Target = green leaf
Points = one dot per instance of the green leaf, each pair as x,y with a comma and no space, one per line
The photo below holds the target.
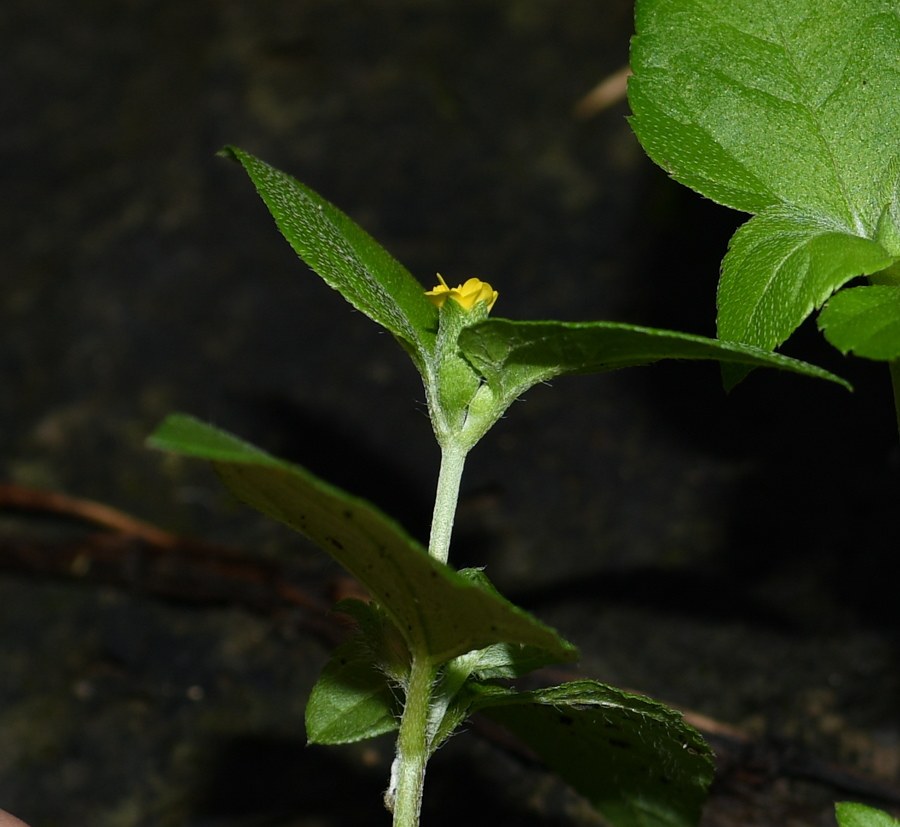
858,815
634,759
513,356
451,703
346,256
789,110
506,660
383,640
790,103
502,660
779,267
865,320
352,699
440,613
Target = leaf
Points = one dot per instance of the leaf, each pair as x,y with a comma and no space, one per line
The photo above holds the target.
501,660
790,103
858,815
386,646
634,759
345,256
865,320
440,613
451,703
513,356
352,699
779,267
504,660
788,110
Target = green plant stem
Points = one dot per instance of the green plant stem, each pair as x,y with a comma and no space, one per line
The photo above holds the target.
895,380
412,745
453,458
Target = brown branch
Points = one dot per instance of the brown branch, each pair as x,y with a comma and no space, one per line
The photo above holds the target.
32,499
605,94
144,558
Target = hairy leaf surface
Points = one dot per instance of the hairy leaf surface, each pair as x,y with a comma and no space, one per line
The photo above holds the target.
634,759
513,355
346,256
352,699
440,613
865,320
787,110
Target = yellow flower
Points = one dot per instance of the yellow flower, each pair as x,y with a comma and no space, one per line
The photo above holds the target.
468,294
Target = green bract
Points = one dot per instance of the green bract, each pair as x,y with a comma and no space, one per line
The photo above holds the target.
789,111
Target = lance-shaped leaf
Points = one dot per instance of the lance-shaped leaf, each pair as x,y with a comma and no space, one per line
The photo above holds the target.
514,355
440,613
634,759
865,320
789,110
346,256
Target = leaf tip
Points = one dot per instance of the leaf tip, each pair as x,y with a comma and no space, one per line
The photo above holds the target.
230,152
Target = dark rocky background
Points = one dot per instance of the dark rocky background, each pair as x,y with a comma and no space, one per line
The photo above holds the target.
732,554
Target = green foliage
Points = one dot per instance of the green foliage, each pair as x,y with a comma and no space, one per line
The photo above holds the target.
778,269
513,356
458,620
788,111
473,367
346,257
865,320
440,613
634,759
434,641
352,699
858,815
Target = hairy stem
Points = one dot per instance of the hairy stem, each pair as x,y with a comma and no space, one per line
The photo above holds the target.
408,775
453,459
895,380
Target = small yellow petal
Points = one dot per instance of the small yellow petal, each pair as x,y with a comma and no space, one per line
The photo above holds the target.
467,295
439,294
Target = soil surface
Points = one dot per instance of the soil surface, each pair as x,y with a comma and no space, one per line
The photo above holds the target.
733,555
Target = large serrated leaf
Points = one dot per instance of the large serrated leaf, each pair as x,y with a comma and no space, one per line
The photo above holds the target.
796,100
865,320
440,613
788,110
634,759
345,256
513,355
352,700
